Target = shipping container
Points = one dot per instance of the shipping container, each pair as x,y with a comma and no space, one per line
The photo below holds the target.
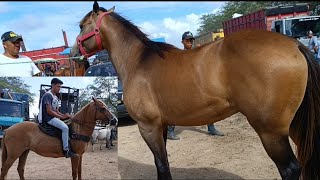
262,19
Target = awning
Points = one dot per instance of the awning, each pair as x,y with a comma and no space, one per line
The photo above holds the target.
162,39
67,51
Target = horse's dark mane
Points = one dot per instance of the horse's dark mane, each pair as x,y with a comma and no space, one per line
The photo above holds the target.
156,47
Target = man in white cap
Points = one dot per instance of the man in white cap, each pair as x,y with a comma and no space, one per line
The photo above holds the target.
11,63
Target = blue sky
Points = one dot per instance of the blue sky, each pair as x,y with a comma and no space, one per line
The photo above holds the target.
41,23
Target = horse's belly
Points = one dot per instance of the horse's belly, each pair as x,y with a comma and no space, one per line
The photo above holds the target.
205,114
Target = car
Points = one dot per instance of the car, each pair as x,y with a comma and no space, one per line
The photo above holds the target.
121,109
104,69
107,69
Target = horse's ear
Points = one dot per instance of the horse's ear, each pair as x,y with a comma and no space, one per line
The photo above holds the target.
111,10
95,6
94,99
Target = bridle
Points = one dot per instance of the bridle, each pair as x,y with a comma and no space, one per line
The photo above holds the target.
96,33
85,138
95,117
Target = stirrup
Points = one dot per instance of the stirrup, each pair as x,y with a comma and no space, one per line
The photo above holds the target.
70,154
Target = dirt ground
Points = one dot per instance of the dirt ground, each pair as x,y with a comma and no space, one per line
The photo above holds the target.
237,155
100,164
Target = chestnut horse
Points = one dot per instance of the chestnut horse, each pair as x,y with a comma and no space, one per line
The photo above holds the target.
20,138
78,69
270,78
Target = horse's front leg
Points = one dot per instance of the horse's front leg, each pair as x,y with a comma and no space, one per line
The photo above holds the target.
80,167
153,136
75,165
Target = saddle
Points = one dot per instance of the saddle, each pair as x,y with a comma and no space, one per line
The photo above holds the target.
56,132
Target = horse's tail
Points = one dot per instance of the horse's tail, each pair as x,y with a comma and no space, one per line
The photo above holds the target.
306,123
4,151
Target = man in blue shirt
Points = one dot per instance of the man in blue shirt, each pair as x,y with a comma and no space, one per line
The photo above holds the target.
313,45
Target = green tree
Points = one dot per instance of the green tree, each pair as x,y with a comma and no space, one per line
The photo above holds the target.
104,88
15,84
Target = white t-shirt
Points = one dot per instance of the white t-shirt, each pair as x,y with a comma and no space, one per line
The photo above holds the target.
22,66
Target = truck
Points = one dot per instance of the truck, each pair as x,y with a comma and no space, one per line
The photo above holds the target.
208,37
68,97
121,109
14,108
293,21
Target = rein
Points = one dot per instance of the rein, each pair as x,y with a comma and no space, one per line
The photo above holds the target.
96,33
83,137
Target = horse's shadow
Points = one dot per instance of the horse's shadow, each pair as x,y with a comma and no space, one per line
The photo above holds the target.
179,129
132,170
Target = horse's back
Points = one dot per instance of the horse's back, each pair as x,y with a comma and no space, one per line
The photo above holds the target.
25,128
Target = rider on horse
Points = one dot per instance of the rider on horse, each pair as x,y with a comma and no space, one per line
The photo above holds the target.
50,114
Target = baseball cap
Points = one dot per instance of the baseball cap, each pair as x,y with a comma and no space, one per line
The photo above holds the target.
10,36
309,32
187,35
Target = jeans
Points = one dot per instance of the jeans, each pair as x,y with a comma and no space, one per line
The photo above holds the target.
316,57
171,128
65,131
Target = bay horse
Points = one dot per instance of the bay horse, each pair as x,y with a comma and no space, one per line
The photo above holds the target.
64,71
20,138
271,79
78,69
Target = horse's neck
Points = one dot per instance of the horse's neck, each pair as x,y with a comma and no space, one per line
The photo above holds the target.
124,49
86,122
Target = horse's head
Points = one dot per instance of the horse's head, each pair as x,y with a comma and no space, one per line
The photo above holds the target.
89,40
102,112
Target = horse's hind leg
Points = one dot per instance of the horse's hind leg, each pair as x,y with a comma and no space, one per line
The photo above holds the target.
22,163
6,166
279,150
275,140
153,136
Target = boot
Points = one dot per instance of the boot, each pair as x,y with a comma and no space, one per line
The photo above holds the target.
170,134
69,154
213,131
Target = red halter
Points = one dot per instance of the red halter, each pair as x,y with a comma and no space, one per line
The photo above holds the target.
95,32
